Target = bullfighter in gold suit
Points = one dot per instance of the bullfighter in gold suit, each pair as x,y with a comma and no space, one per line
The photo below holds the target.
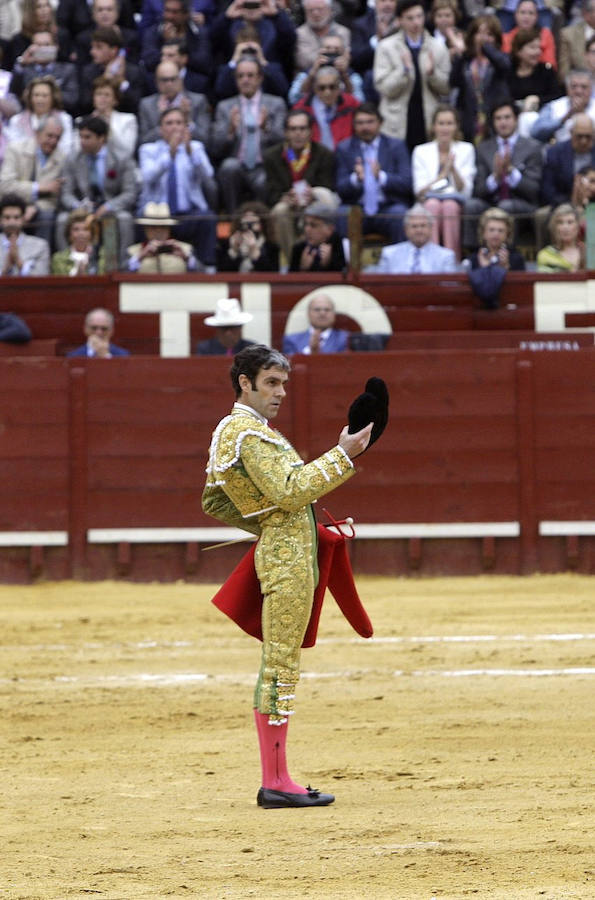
257,481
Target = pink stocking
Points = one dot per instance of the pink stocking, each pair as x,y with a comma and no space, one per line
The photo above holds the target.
272,740
451,226
434,206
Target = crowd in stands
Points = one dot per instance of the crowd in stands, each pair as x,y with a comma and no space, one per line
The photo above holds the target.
274,118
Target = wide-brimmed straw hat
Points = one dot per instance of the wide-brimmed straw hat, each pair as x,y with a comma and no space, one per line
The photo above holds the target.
228,313
156,214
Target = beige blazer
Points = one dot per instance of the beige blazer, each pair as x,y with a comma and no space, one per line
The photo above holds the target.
572,49
21,169
395,84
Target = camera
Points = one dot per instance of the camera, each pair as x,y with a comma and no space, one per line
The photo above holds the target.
251,4
46,54
331,57
248,226
165,248
249,53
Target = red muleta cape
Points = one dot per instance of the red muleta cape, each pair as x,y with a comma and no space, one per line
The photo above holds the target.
240,596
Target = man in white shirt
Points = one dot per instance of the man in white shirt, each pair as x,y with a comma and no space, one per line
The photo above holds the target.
176,170
418,255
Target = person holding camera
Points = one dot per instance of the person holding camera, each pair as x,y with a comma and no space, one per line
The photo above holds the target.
247,46
160,253
40,60
248,248
276,31
178,25
332,53
244,126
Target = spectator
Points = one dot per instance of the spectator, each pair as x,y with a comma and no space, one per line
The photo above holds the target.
39,61
331,109
177,25
411,71
443,176
244,126
573,40
34,170
99,181
532,83
99,328
108,60
565,160
247,46
479,75
38,15
42,98
248,248
13,330
321,335
525,17
227,322
299,171
506,9
332,53
176,170
508,171
583,194
10,19
275,29
495,242
160,253
418,254
566,253
78,20
173,95
322,248
374,170
445,16
201,13
555,117
379,21
176,51
82,255
9,104
122,126
20,253
318,25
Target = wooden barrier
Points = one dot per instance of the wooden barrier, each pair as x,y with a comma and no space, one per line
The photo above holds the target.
486,465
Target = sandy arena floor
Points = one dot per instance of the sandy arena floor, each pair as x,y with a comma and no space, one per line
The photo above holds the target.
459,743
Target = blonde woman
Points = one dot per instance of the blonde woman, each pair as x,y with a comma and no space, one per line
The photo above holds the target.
566,253
443,171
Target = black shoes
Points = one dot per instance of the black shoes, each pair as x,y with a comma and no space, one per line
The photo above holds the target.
270,799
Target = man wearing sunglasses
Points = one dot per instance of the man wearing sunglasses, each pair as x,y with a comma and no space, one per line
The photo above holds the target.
99,328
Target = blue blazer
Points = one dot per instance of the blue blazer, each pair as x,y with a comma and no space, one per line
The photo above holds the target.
115,351
558,173
335,343
393,157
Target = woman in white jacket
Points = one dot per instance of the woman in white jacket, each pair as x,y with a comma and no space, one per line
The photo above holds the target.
443,172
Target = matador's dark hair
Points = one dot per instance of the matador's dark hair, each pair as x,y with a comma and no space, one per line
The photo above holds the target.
251,360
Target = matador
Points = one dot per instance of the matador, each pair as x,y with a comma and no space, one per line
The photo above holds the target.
257,481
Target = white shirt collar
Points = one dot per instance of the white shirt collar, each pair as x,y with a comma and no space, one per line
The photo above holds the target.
253,412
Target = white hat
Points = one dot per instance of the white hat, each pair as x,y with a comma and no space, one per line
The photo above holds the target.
228,312
156,214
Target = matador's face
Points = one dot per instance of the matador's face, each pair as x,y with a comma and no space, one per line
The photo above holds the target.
269,391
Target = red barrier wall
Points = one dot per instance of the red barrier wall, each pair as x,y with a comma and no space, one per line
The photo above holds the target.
474,437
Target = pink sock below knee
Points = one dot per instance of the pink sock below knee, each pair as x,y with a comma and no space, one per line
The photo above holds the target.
272,740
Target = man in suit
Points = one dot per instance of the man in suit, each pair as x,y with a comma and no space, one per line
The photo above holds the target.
321,250
177,24
554,119
176,170
244,126
573,40
98,180
76,20
508,172
13,329
321,336
227,321
298,172
417,255
374,171
33,169
171,94
20,254
275,29
564,160
377,23
99,328
108,60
